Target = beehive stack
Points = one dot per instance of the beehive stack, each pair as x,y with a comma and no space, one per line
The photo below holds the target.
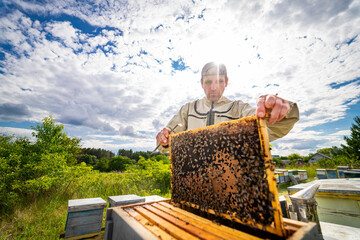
226,169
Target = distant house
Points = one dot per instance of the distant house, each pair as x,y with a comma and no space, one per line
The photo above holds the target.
318,156
300,162
275,156
285,162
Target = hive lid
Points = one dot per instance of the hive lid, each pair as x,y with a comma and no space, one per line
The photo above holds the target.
349,188
77,205
226,169
125,199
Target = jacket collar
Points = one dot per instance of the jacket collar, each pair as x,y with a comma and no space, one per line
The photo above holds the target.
221,99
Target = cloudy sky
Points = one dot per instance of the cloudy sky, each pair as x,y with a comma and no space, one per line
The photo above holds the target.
115,72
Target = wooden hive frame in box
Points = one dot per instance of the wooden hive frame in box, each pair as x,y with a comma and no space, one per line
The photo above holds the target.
162,220
227,170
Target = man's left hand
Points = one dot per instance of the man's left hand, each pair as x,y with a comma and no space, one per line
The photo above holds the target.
276,106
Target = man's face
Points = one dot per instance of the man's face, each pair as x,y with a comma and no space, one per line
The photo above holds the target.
213,85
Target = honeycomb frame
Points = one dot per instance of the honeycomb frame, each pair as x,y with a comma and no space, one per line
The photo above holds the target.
212,171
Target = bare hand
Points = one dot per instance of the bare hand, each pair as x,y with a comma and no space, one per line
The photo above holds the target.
162,137
276,106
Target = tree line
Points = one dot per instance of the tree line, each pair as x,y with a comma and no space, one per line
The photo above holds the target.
106,161
347,154
54,162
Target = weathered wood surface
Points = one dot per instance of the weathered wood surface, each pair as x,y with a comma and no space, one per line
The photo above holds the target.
333,231
126,227
154,198
84,217
162,220
76,205
321,173
151,227
302,175
85,222
337,199
347,188
332,174
203,223
121,200
82,230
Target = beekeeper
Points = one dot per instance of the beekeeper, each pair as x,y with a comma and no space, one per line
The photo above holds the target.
214,108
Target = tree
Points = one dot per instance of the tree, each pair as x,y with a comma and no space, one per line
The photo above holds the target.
331,152
353,141
162,158
102,165
51,139
98,152
87,158
119,163
125,153
29,169
294,156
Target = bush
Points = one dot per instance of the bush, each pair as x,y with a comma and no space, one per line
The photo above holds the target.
102,165
87,158
120,163
28,170
154,174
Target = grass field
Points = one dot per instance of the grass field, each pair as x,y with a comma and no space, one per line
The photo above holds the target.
46,217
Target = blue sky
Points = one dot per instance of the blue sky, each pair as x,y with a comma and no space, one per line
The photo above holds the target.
115,72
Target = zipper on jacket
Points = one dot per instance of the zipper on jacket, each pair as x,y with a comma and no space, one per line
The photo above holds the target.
211,116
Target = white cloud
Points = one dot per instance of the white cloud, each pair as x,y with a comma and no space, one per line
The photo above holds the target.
120,79
17,132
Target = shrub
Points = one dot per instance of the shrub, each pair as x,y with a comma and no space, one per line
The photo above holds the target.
120,163
29,169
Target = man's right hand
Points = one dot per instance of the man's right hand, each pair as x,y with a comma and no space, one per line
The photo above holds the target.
162,137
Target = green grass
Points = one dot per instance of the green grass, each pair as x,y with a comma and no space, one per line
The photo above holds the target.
45,218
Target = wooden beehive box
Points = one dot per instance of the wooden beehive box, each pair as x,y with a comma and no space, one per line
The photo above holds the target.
84,217
162,220
226,169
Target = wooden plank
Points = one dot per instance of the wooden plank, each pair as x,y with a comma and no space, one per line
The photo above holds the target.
290,230
182,224
84,220
72,231
206,225
309,231
127,228
164,225
268,228
295,223
291,226
229,230
269,165
87,213
89,235
158,232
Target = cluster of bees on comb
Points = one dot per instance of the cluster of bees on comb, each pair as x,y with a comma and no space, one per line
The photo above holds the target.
221,168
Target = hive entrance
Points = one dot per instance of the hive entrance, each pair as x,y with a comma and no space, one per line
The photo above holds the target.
225,169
